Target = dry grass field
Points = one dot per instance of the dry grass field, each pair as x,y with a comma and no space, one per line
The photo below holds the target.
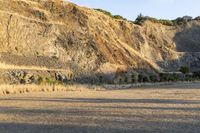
165,109
20,89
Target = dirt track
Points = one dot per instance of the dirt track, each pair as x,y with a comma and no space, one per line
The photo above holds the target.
169,109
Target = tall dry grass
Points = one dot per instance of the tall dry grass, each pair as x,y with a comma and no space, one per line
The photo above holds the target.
18,89
21,67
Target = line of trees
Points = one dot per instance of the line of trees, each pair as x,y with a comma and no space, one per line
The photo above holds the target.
141,19
179,21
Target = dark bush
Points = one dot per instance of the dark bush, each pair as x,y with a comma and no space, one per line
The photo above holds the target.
179,21
189,77
140,78
126,80
119,17
100,79
105,12
134,78
143,78
165,77
175,77
141,19
171,76
166,22
184,69
110,14
182,20
196,74
153,78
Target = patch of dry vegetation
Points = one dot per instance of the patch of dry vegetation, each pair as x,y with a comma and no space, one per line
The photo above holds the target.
16,67
18,89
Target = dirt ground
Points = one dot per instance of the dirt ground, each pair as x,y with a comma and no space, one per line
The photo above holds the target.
165,109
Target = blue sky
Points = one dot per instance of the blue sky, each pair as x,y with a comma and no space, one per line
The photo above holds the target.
168,9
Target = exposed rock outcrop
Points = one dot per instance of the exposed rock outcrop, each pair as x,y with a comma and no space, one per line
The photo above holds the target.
42,33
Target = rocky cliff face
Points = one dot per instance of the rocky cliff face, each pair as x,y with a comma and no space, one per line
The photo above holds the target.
43,35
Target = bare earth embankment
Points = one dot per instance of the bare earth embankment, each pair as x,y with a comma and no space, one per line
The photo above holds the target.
166,109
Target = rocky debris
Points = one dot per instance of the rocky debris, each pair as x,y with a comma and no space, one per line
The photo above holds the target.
22,77
38,77
62,78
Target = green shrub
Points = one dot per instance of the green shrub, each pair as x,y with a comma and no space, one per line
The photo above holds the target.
143,78
126,80
174,77
179,21
166,22
196,74
170,76
184,69
119,17
153,78
105,12
40,80
140,78
189,77
141,19
134,78
51,81
100,79
182,20
110,14
165,77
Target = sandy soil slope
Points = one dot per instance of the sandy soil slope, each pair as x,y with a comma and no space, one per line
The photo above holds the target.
166,109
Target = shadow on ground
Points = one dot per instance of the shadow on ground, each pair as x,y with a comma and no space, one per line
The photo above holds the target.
103,100
100,117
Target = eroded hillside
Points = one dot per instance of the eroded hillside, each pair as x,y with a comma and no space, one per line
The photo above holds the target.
82,42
